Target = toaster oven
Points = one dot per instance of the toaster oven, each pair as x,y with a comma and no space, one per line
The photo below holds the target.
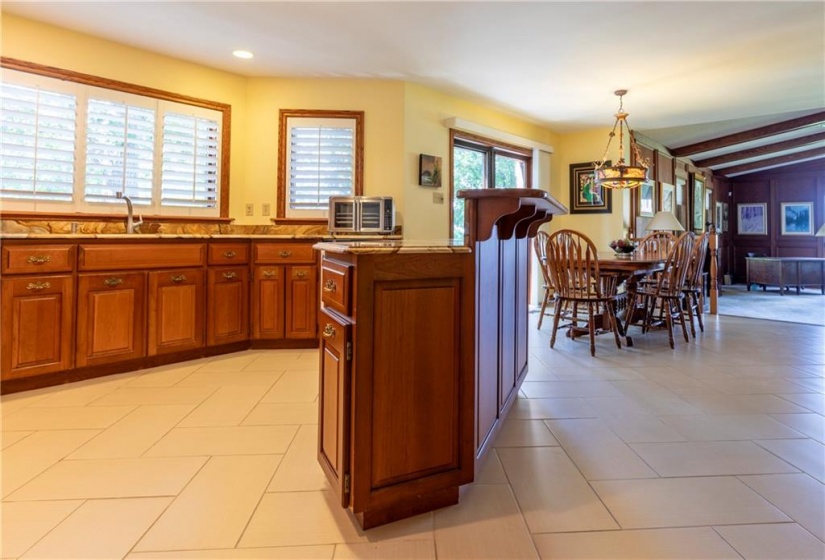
361,214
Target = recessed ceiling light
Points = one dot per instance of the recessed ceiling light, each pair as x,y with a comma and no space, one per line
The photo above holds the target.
242,54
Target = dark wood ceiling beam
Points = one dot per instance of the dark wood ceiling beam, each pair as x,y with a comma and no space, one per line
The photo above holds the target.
780,160
760,150
748,135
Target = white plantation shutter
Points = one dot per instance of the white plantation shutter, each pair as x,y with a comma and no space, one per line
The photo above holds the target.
191,149
37,144
120,142
321,158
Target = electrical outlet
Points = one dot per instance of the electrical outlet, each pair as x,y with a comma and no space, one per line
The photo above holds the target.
438,198
250,209
265,209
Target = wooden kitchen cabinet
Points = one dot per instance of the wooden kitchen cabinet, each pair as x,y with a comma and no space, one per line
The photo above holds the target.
227,311
111,317
176,310
334,402
37,322
284,292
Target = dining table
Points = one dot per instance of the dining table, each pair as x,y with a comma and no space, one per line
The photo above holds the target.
629,269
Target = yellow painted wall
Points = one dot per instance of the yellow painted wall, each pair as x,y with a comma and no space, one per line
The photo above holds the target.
424,132
588,146
381,101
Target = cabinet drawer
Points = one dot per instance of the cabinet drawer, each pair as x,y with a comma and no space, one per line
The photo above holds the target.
228,253
141,256
28,259
335,286
283,253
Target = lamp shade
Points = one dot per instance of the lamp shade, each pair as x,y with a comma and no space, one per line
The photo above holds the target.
821,231
664,220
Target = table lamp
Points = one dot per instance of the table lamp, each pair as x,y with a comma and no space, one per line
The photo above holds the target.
821,231
664,220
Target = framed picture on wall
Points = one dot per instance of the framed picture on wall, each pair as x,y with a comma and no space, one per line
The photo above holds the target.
698,204
647,200
668,198
586,197
719,222
797,218
752,219
725,226
429,171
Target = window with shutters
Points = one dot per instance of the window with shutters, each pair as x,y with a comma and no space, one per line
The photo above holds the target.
320,155
68,146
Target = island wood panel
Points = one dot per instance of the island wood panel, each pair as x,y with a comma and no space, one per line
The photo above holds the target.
522,306
37,322
508,337
140,256
111,317
334,402
487,293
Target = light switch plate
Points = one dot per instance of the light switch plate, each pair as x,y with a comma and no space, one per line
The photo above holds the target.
265,209
250,209
438,198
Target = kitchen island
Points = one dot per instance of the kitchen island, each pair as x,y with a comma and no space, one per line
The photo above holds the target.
423,348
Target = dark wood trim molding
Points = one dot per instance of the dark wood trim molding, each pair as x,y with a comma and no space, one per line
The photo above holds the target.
780,160
760,150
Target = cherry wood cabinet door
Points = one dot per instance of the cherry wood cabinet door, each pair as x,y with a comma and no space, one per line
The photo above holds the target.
334,401
37,321
301,301
227,308
176,310
111,317
268,302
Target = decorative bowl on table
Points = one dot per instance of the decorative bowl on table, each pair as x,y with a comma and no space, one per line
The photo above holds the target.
623,248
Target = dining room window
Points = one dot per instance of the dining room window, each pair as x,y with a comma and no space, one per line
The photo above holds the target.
483,163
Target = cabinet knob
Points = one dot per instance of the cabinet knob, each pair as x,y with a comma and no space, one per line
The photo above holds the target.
229,254
38,259
330,286
37,286
270,273
113,281
178,279
329,331
230,275
285,254
300,274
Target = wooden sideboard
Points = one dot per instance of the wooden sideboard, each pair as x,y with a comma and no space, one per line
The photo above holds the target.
786,272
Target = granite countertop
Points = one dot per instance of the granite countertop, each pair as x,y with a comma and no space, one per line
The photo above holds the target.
392,246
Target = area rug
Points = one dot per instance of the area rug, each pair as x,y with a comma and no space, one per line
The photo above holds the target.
808,307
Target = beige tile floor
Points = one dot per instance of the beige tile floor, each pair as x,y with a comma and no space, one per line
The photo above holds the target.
712,450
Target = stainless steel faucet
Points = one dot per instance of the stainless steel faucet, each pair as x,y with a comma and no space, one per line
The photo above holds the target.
131,224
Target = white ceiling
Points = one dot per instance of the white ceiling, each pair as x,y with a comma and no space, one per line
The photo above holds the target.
694,69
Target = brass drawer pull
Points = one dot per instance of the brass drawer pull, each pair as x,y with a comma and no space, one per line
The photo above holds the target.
330,286
285,254
178,279
39,259
229,254
112,282
300,274
270,273
230,275
329,331
37,286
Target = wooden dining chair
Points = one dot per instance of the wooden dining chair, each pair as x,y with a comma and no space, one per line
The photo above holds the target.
656,244
587,295
693,290
662,300
540,247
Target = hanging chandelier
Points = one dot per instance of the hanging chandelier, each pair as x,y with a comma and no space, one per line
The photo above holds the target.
621,175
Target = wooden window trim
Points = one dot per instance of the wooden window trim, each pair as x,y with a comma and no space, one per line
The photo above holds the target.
284,116
126,87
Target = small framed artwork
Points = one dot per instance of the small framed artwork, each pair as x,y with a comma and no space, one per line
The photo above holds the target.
797,218
647,200
698,204
586,197
718,222
752,219
668,200
725,226
429,171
